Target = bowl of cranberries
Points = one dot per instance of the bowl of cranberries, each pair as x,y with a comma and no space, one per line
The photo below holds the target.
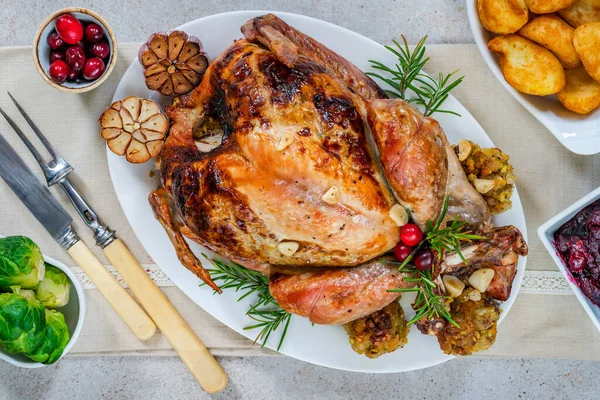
573,240
75,50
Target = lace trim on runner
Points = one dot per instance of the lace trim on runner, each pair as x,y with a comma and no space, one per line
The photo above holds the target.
534,282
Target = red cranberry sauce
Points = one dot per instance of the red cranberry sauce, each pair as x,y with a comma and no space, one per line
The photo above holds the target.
578,243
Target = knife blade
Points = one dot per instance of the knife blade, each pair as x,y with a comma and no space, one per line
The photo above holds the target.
36,197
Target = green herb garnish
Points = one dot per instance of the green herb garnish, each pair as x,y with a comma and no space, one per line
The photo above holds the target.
428,303
265,311
407,76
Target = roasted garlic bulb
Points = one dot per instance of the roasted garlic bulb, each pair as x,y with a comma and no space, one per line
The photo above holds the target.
134,127
489,172
173,64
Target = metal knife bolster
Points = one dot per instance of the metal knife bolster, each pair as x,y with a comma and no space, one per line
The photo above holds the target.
102,233
67,238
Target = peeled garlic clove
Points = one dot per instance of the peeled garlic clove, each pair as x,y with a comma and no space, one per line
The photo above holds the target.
399,215
481,279
288,248
284,142
484,185
454,286
464,149
332,196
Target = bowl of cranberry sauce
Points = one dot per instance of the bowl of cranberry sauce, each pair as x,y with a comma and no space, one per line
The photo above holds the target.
573,240
75,50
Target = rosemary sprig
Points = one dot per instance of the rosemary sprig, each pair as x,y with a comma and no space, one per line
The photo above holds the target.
433,93
449,238
265,311
429,303
408,74
408,68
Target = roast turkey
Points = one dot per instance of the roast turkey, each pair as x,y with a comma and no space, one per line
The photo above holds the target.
313,158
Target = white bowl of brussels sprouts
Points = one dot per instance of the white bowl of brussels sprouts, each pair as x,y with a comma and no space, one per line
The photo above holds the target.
42,305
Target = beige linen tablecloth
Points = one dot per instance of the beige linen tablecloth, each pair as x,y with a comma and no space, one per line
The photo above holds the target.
549,179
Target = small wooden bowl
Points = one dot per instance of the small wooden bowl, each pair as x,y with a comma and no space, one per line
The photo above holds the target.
41,50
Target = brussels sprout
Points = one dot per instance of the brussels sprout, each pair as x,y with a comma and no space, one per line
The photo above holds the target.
54,290
55,340
22,321
21,263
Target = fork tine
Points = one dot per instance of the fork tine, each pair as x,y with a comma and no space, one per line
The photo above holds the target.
35,129
29,145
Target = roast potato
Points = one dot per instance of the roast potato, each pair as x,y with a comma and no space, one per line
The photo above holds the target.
547,6
554,34
581,93
528,67
581,12
587,43
502,16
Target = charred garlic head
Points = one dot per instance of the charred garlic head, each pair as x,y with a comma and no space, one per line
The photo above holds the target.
173,64
134,127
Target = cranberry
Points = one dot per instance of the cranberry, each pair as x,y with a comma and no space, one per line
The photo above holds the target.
402,251
56,55
93,68
59,70
411,234
424,260
69,28
579,256
101,50
94,33
74,75
54,41
75,57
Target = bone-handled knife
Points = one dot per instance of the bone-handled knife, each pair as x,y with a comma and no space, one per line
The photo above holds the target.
57,222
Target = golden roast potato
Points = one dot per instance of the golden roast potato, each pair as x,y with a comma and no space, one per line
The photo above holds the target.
581,93
547,6
554,34
587,43
582,12
502,16
528,67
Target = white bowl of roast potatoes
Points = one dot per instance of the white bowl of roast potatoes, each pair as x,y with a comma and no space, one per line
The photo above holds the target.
547,54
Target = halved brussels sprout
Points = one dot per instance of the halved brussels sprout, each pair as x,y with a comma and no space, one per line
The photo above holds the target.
21,263
22,321
54,290
55,340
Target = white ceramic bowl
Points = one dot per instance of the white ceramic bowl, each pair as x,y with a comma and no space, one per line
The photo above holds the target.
546,234
41,50
578,133
74,313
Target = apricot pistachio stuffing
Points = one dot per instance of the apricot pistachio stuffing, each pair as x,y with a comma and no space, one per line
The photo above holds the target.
489,172
173,64
134,127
